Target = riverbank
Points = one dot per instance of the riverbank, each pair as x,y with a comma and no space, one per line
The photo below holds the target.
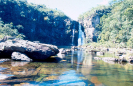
116,54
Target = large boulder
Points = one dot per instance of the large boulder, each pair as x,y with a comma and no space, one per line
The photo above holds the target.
34,50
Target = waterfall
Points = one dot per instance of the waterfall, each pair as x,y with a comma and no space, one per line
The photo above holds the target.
81,36
73,35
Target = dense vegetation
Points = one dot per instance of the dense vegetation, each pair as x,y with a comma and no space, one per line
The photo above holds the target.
38,22
116,26
99,10
10,30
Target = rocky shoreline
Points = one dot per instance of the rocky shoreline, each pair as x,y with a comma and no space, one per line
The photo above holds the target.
122,54
24,50
119,54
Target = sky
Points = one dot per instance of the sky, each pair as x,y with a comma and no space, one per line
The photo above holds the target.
72,8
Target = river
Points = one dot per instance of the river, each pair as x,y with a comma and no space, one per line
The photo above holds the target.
76,68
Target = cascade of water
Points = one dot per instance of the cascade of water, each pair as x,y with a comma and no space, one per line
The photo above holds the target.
73,35
81,36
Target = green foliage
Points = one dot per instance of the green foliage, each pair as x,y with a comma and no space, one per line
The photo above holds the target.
117,25
100,10
9,30
37,22
130,43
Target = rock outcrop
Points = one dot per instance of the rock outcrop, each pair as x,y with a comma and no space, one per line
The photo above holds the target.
90,24
90,27
33,50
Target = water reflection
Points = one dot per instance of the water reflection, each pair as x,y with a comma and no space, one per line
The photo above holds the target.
79,58
69,78
15,63
72,57
95,80
79,69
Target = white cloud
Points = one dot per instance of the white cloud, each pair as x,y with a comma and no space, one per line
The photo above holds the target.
104,2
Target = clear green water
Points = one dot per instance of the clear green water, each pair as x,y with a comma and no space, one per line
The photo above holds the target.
76,68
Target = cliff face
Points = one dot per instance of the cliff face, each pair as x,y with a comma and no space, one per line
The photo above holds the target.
89,25
91,22
39,23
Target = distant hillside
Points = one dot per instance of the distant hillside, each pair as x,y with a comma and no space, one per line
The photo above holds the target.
116,26
38,23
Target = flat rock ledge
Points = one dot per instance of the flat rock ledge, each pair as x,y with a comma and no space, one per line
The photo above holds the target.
35,51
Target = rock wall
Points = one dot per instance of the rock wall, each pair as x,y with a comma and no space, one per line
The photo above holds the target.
90,24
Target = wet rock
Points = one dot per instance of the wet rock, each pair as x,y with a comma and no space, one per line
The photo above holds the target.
95,80
35,51
68,50
4,60
61,55
18,63
74,48
17,56
109,59
122,58
100,53
131,60
4,76
97,58
62,51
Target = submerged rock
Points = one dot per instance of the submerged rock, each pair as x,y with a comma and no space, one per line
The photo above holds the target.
18,63
35,51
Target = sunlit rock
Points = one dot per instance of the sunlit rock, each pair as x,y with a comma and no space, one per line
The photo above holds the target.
97,58
4,60
122,58
17,56
35,51
60,55
68,50
109,59
62,51
100,53
4,76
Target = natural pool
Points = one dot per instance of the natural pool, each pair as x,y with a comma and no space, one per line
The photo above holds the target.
76,68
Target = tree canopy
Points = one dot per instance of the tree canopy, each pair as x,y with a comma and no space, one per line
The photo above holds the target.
116,26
